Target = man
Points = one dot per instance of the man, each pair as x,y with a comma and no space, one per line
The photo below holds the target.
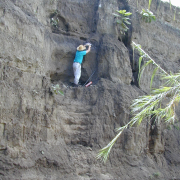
80,53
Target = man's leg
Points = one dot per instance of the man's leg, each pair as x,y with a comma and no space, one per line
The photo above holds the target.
77,72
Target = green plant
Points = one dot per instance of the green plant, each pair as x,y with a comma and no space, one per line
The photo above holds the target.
175,14
157,174
169,127
54,22
149,4
150,177
147,16
170,3
154,105
123,20
177,127
150,106
148,61
56,89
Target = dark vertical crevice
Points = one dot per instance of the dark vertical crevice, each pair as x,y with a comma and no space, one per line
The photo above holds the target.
127,40
95,18
153,133
134,65
97,60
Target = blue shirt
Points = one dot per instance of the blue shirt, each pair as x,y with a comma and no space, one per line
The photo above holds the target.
79,56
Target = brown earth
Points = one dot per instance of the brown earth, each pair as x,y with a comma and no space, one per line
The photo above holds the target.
47,136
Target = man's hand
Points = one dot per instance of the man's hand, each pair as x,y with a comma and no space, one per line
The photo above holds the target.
87,44
89,48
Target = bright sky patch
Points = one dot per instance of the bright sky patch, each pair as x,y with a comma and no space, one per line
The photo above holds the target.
173,2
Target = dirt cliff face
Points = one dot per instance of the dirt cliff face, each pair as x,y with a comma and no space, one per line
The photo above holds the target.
47,136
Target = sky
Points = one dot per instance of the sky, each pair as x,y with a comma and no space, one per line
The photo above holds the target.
174,2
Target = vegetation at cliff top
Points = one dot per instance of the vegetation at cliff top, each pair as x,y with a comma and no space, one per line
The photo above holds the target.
148,16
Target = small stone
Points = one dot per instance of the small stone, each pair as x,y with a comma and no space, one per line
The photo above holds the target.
42,152
89,148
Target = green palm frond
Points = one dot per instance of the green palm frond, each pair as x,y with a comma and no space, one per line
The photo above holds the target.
152,77
173,77
140,61
143,68
144,54
175,14
146,106
170,4
104,152
149,4
61,92
151,106
159,5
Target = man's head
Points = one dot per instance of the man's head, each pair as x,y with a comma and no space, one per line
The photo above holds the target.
81,48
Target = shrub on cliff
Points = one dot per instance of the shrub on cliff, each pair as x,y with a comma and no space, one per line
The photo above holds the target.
122,20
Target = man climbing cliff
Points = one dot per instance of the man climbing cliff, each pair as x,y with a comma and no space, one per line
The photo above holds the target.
81,51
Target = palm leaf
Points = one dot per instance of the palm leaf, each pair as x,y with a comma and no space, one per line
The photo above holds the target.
149,106
141,51
140,61
61,92
175,14
158,7
104,153
145,107
170,4
152,77
149,4
143,67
